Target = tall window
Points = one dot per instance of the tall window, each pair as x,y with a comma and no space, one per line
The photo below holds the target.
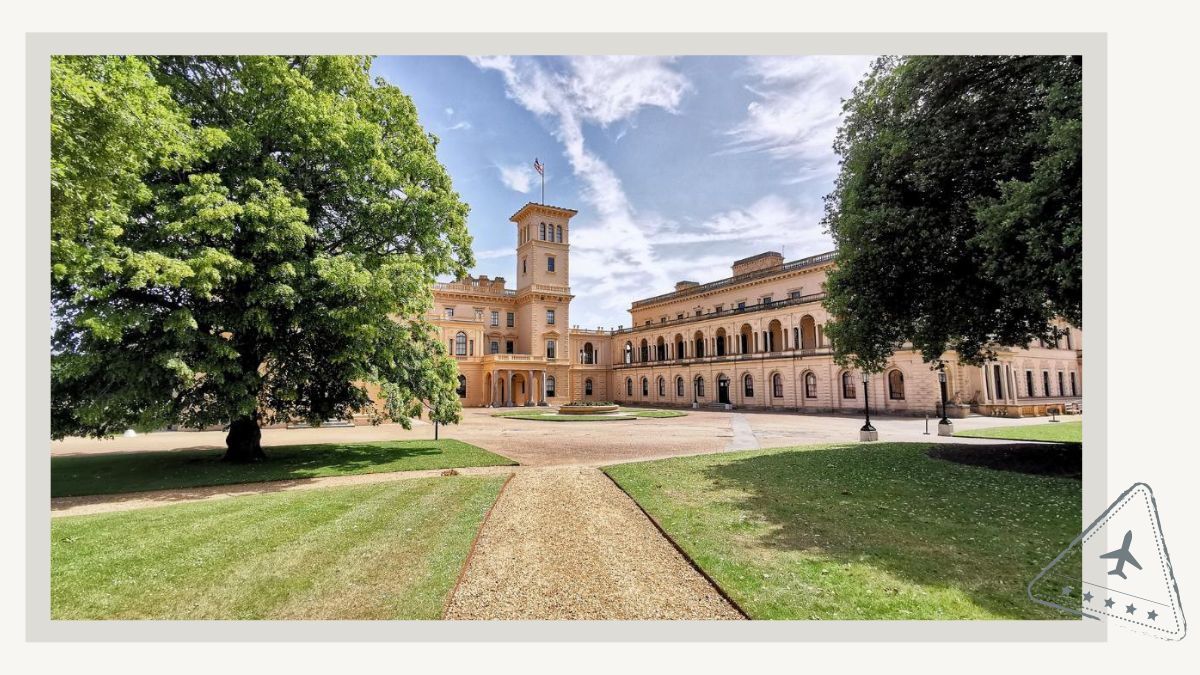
679,385
810,385
495,318
460,344
1062,391
700,387
448,313
494,347
896,385
1045,383
512,319
1029,383
524,267
549,263
662,387
550,387
629,386
559,237
777,385
462,386
848,388
587,387
550,349
508,346
1074,391
748,383
542,232
550,317
645,387
628,353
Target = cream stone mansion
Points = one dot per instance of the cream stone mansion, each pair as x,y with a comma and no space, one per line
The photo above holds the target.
752,340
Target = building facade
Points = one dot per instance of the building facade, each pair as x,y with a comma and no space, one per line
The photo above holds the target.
755,339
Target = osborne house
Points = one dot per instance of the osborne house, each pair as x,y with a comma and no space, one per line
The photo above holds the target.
754,339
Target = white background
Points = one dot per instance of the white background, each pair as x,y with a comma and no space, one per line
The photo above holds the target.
1152,221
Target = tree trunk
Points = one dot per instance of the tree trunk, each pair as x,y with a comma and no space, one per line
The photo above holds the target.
243,444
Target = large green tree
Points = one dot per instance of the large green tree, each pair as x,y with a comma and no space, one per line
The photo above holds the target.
244,240
957,211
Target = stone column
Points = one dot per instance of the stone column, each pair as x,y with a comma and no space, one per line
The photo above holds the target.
508,392
543,401
492,398
531,400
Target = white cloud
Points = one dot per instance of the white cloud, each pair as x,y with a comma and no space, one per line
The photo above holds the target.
460,126
493,253
449,111
796,110
518,177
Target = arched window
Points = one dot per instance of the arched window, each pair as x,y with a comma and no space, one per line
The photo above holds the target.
629,386
810,385
462,386
748,382
559,238
808,332
796,338
896,385
628,352
679,385
542,232
662,387
644,352
698,348
777,385
460,344
699,387
550,387
587,387
645,387
848,389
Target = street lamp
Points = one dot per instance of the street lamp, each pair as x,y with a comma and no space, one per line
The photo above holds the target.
867,432
945,427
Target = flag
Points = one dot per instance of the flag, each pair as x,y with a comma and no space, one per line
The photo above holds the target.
539,167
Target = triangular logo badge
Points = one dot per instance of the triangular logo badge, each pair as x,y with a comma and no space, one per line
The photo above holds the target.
1118,570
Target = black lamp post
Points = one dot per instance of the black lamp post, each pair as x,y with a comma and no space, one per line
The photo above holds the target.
867,403
942,380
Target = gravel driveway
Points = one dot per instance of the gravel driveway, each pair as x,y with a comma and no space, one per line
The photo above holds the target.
566,543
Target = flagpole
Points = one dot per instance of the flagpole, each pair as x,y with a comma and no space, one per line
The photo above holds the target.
543,174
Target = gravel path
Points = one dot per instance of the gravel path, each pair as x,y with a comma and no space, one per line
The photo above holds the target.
566,543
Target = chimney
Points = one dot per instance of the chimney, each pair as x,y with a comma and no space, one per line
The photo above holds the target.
683,285
755,263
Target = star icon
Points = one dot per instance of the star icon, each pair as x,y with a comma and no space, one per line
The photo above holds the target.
1108,602
1087,597
1152,615
1130,609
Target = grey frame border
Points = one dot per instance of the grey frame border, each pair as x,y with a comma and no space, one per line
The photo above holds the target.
38,48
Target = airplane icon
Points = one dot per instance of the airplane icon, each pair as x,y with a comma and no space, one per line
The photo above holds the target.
1122,556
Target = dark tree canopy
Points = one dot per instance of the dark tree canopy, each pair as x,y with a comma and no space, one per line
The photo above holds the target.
244,240
957,211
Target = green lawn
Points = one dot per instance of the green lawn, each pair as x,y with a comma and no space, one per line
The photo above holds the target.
861,532
135,471
385,551
544,415
1060,432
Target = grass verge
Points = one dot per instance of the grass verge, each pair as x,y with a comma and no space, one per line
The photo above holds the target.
1060,432
861,532
383,551
111,473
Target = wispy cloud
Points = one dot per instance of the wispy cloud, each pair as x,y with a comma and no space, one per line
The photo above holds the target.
462,125
518,177
796,110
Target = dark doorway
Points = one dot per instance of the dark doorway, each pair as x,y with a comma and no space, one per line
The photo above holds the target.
723,390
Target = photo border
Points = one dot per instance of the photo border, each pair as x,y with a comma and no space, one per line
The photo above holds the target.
39,47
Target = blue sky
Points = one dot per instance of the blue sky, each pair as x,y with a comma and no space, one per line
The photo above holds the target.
677,166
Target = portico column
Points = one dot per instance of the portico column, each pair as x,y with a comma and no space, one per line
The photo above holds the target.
543,401
492,399
531,389
508,392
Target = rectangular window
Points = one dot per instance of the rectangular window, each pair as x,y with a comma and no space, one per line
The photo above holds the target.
471,348
550,317
1029,383
794,295
495,318
511,319
478,314
550,263
679,316
449,313
718,308
741,306
766,300
494,347
1074,390
1062,390
508,346
550,349
524,268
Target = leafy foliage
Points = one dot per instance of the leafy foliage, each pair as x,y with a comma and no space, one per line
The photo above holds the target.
244,238
957,212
